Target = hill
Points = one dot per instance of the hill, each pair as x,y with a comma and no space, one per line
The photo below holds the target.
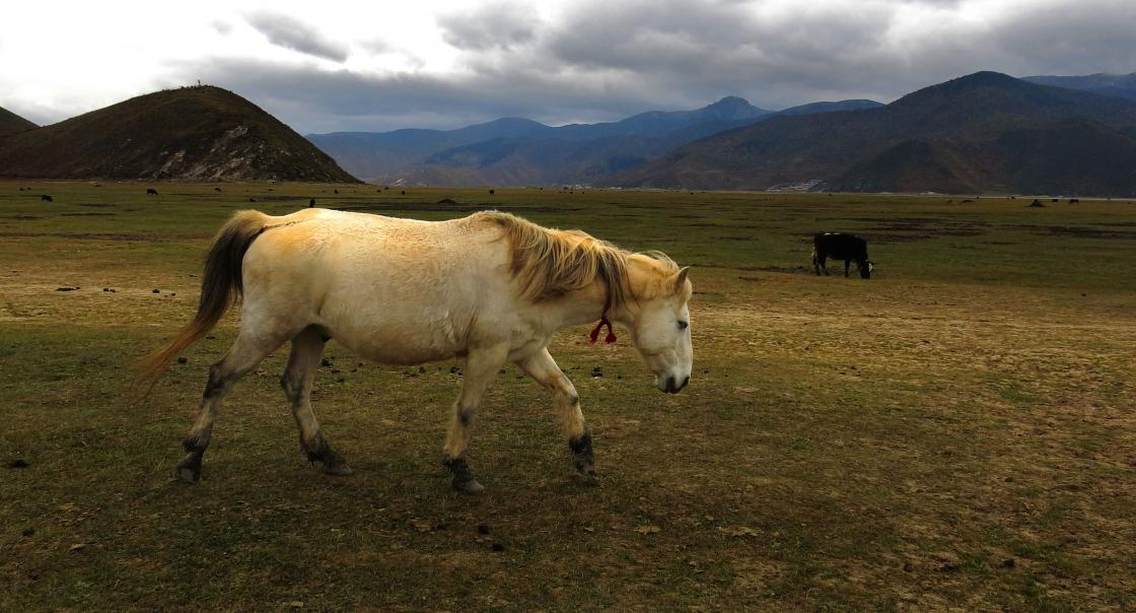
1123,86
195,133
968,134
11,123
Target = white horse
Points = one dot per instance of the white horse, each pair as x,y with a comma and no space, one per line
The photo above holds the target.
490,288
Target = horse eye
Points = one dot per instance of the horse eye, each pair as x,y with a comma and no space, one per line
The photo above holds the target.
682,325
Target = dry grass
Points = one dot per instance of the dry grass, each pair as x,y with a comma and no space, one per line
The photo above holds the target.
956,433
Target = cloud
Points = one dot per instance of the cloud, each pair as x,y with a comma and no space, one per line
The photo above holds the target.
601,60
494,25
290,33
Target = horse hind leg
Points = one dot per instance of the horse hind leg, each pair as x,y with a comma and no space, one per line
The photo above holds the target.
243,356
307,347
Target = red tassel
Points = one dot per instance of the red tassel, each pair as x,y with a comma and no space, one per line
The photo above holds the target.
595,335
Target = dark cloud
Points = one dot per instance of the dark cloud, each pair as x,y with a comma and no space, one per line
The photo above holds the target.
601,59
291,33
495,25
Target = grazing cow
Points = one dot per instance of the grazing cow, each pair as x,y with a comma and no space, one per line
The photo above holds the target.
838,246
151,191
46,198
1074,201
216,189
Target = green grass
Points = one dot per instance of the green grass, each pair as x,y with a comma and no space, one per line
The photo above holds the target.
956,432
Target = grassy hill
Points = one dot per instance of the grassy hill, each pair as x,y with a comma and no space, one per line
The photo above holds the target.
196,133
11,123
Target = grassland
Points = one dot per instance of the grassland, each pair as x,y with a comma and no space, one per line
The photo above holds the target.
957,432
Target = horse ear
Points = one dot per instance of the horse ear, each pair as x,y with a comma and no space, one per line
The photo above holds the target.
680,279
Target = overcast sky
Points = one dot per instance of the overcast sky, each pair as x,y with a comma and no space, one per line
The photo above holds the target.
323,65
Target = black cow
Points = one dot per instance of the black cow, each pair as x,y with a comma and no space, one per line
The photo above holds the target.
838,246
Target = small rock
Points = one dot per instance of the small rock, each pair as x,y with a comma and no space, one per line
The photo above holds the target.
66,289
78,547
907,567
155,291
1009,563
18,463
325,362
597,372
483,528
28,531
183,360
498,547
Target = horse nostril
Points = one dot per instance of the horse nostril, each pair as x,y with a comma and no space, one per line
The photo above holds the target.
671,385
684,382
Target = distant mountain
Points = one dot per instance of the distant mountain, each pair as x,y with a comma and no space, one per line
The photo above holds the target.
831,107
464,156
982,132
1123,86
192,133
518,151
376,154
11,123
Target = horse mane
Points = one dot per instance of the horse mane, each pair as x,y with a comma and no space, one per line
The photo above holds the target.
550,263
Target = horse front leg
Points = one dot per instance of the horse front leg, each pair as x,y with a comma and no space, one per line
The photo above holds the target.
543,369
481,367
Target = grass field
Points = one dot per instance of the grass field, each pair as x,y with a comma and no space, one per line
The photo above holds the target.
956,433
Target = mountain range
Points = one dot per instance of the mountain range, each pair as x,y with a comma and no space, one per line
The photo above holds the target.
515,151
983,132
199,133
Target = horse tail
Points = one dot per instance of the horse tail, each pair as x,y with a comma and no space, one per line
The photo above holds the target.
220,286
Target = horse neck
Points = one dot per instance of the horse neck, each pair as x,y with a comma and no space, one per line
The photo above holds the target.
587,304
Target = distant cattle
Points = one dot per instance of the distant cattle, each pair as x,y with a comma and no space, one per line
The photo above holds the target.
311,203
216,189
46,198
151,191
492,191
1036,204
838,246
1074,201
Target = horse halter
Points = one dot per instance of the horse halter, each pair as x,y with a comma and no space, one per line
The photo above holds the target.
604,321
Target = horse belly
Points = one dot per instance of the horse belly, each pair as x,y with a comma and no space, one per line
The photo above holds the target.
400,337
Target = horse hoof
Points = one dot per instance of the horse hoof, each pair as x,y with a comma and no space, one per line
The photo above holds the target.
189,469
469,487
339,470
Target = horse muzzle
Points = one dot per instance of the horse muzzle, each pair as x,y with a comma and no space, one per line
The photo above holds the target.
673,385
